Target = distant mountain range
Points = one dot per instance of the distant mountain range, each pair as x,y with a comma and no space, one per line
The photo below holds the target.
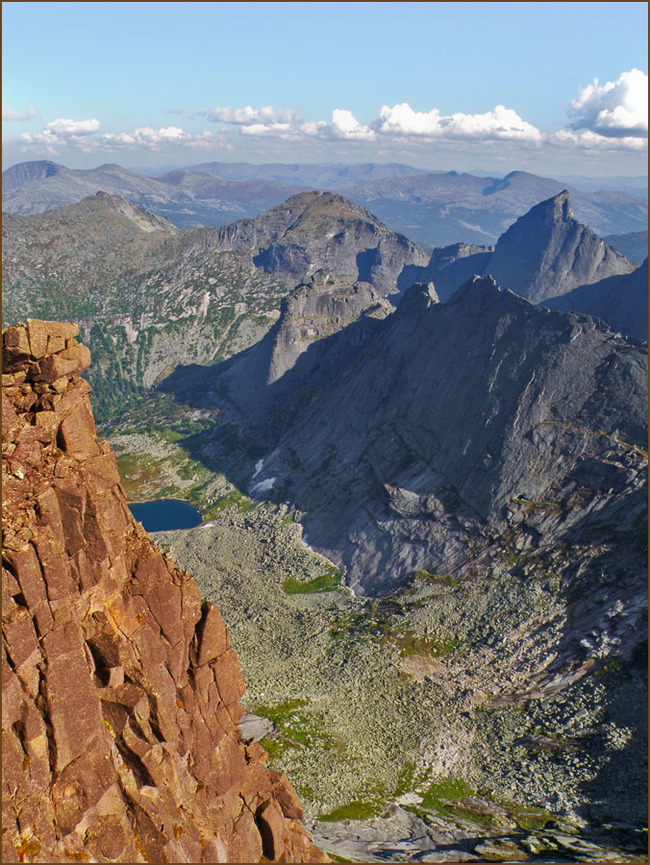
445,208
150,297
431,208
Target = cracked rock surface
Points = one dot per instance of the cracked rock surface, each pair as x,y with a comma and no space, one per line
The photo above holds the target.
120,690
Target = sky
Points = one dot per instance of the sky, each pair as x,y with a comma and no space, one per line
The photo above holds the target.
545,87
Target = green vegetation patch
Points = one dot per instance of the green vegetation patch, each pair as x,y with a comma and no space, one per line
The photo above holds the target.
234,498
526,816
440,579
327,582
446,788
454,799
297,726
355,810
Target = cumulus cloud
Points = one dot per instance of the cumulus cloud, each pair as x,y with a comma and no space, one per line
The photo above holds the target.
248,116
153,139
616,109
499,124
608,117
12,114
63,131
346,125
589,140
64,126
284,123
269,130
81,134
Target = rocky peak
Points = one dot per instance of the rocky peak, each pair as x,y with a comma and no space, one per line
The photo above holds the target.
419,296
556,209
28,172
314,231
547,252
120,688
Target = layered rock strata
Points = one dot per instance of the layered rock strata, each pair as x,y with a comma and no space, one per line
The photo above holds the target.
120,689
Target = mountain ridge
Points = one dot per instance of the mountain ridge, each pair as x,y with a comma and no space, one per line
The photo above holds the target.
432,208
150,300
375,398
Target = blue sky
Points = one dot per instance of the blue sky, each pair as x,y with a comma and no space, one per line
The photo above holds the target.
440,85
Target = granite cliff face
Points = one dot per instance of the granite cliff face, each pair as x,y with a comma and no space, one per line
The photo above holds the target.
120,689
545,253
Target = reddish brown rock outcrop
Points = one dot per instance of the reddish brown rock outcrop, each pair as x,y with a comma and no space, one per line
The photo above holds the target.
120,689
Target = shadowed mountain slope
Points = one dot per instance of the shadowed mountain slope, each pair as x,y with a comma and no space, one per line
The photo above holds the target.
620,301
431,439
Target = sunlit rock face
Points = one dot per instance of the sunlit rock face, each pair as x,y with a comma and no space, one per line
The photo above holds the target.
120,689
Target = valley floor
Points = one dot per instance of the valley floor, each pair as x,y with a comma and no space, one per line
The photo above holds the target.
430,725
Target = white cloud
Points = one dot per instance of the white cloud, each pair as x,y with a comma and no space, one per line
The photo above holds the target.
80,134
269,130
248,116
12,114
605,118
403,120
62,132
269,122
313,127
345,125
499,124
64,127
614,109
153,139
589,140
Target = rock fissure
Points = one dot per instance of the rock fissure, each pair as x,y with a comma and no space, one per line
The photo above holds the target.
108,762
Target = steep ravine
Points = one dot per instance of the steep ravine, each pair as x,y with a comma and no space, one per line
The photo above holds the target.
120,689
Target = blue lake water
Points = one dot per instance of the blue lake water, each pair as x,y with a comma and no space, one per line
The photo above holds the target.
166,515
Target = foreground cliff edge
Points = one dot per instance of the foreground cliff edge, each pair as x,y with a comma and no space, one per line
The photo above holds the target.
120,691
